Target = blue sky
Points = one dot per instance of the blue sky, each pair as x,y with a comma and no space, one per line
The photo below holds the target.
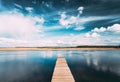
59,22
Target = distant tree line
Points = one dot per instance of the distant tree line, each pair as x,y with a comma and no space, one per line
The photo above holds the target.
98,46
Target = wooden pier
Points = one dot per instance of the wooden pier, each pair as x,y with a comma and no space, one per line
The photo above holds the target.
62,72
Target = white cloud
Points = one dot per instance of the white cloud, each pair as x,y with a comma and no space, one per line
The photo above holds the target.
80,9
18,6
14,25
114,28
63,15
13,42
102,29
40,20
107,35
17,26
19,30
75,40
77,21
64,21
84,20
95,35
79,28
67,40
87,35
29,9
92,35
67,21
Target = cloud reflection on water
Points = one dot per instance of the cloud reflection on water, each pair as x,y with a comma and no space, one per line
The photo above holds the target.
26,65
98,62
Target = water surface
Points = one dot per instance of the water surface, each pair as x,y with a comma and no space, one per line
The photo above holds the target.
26,66
95,66
38,66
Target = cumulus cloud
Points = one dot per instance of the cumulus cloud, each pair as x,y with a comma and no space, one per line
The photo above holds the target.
69,21
114,28
78,22
92,35
52,41
87,35
107,35
64,21
17,26
110,30
75,40
17,29
102,29
95,35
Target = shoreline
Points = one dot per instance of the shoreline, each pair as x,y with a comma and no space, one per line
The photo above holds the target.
57,48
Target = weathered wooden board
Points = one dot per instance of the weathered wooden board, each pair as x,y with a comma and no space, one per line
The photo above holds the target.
62,72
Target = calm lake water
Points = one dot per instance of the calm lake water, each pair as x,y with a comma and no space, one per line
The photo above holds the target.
38,66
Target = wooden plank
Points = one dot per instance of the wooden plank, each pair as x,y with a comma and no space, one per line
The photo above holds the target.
62,72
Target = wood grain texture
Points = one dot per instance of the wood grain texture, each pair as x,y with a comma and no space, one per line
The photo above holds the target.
62,72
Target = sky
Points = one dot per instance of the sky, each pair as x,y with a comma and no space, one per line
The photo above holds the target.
37,23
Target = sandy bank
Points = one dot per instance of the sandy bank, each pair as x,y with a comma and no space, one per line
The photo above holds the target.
58,48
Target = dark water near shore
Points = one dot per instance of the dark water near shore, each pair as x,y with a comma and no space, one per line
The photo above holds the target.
38,66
